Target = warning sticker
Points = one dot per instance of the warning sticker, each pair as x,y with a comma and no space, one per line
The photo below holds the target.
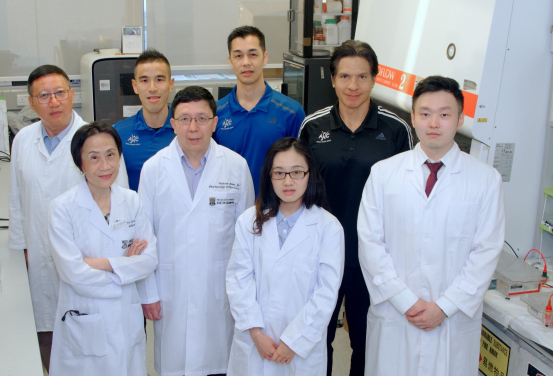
494,355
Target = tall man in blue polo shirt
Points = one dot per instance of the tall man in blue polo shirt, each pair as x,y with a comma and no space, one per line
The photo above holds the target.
253,115
149,131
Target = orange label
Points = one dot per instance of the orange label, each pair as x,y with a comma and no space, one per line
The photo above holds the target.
396,79
470,103
405,83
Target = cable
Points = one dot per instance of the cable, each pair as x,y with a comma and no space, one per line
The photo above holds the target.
544,274
511,248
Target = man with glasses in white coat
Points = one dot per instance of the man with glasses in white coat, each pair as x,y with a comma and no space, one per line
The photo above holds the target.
193,191
41,169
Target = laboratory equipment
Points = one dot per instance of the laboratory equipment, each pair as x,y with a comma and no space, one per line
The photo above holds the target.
106,86
515,276
300,17
483,45
539,305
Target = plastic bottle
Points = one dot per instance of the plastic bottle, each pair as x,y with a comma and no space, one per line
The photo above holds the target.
347,6
334,7
344,30
318,6
330,31
318,26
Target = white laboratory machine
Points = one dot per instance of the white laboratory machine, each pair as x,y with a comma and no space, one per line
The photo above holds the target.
106,86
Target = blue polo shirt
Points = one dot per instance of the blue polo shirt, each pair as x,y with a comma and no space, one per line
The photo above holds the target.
250,134
141,142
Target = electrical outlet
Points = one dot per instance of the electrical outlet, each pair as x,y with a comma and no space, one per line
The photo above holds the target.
22,100
77,98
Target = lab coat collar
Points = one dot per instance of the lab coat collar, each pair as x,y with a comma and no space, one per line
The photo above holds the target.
298,234
76,123
452,162
95,216
174,168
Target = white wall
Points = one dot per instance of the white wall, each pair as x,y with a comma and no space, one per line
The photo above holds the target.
36,32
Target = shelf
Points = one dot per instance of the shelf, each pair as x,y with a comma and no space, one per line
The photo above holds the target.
545,228
548,191
332,14
315,46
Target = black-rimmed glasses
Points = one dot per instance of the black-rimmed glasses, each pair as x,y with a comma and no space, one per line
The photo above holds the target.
281,175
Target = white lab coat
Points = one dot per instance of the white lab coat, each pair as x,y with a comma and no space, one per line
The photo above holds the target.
444,246
110,339
290,292
36,179
195,239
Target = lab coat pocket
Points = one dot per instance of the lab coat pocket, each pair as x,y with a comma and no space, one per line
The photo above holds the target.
87,335
136,325
220,274
165,272
304,269
462,219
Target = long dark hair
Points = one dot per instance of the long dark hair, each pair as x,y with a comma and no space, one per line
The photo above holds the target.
267,203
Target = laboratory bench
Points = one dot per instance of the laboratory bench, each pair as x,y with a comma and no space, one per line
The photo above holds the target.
19,352
513,341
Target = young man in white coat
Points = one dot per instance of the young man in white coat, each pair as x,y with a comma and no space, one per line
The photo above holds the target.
193,191
41,170
431,226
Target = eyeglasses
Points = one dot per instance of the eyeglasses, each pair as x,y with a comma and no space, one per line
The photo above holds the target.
60,95
186,120
281,175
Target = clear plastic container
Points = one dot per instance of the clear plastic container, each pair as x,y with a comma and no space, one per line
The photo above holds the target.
536,306
516,277
330,31
344,30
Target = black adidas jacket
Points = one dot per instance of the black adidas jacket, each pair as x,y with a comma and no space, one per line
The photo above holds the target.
345,159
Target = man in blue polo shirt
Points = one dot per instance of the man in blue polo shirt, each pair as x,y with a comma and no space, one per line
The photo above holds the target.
253,115
149,131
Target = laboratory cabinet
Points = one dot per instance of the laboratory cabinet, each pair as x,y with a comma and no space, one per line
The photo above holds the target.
301,17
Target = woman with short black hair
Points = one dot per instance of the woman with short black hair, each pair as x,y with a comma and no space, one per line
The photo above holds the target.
102,243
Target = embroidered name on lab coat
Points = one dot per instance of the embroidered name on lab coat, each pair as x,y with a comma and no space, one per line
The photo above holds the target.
222,185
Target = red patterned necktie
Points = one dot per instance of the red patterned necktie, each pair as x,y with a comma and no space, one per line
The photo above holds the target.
433,177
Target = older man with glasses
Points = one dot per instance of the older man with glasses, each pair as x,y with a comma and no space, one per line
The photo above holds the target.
41,170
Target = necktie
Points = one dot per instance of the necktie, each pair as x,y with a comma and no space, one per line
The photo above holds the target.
433,178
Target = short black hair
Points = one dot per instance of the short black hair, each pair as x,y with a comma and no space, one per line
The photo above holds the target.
194,94
434,84
45,70
243,32
90,130
268,203
149,56
354,48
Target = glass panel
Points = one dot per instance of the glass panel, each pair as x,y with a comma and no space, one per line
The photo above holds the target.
294,76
